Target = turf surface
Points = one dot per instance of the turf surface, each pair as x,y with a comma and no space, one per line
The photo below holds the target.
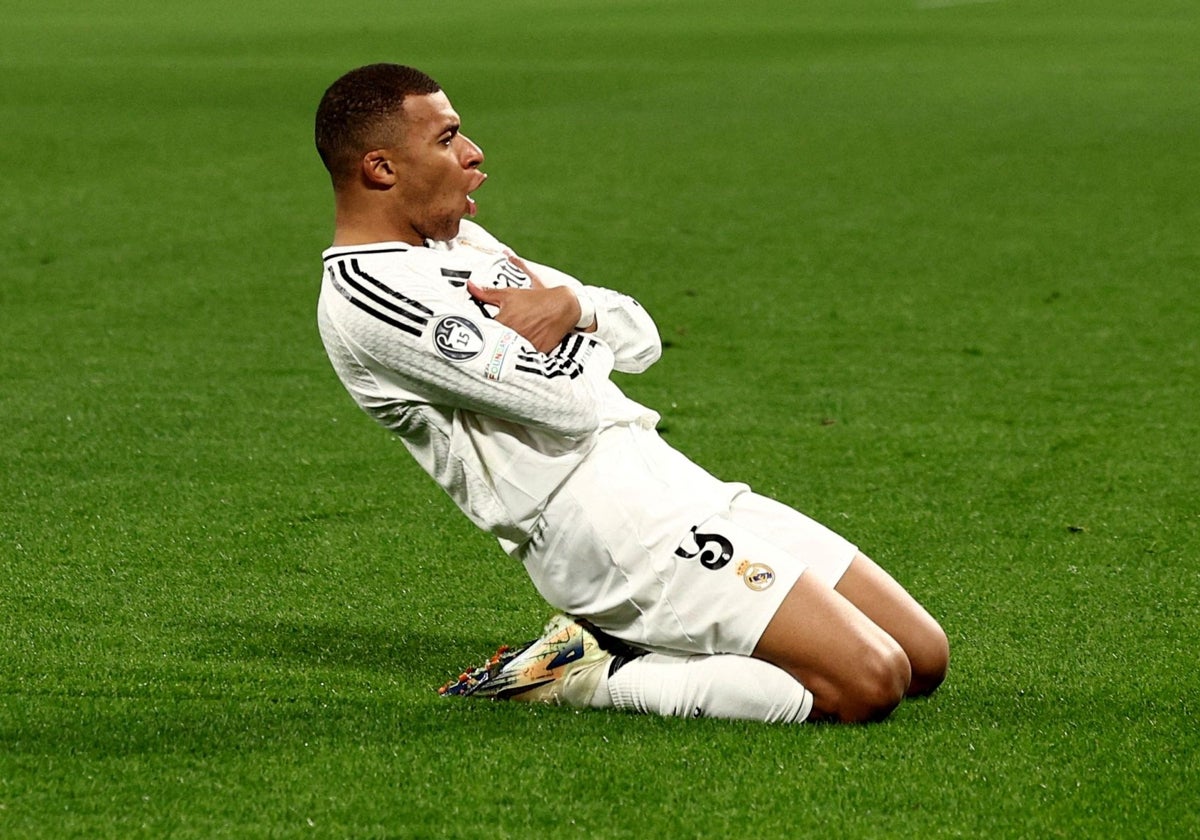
926,269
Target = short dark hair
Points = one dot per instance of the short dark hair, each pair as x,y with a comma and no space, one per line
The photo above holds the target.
354,115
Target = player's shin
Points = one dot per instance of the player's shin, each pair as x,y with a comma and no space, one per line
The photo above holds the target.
721,686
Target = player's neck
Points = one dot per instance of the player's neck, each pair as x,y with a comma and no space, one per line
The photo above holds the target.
355,225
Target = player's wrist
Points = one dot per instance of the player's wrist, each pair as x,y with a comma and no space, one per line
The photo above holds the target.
587,310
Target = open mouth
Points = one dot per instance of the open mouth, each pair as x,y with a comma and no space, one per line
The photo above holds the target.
472,208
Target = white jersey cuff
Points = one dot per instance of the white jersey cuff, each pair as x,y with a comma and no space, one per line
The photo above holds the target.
587,309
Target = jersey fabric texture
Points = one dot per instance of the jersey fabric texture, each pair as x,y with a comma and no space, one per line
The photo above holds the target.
546,453
498,425
655,550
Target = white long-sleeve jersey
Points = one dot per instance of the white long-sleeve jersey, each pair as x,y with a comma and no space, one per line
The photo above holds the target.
497,424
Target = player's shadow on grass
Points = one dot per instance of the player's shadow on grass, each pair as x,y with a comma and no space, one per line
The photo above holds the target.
400,650
254,683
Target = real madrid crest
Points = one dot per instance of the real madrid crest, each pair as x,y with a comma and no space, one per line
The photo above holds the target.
757,576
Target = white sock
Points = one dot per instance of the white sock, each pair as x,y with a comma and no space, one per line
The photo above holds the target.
720,686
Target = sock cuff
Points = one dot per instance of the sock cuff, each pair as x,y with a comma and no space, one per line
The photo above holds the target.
622,689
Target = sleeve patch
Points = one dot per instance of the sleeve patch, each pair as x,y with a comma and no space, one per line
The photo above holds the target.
457,338
495,365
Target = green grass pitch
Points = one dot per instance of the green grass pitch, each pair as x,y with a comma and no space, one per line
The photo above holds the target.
927,270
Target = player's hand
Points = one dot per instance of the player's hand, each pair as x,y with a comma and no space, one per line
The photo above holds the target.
542,316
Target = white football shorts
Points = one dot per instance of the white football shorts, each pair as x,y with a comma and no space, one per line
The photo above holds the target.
656,551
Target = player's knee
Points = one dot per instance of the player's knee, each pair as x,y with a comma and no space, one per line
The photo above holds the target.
880,683
885,682
930,661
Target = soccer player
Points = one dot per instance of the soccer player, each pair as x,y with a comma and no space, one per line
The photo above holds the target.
681,594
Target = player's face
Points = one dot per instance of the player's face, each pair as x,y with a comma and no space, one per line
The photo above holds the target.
438,168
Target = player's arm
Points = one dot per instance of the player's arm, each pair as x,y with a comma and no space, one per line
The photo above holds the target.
447,352
557,304
558,391
625,326
542,315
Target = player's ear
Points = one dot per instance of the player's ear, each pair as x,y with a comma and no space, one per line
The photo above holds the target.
378,170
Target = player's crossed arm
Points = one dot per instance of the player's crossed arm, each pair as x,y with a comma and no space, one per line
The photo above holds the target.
542,315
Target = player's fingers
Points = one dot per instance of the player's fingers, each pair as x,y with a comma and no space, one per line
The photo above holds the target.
534,280
494,296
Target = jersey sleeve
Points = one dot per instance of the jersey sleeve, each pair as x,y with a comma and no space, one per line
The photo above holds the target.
399,338
621,322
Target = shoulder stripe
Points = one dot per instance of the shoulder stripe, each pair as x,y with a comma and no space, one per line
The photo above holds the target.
344,254
398,306
420,307
352,288
400,325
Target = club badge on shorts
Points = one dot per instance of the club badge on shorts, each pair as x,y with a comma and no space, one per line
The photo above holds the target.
757,576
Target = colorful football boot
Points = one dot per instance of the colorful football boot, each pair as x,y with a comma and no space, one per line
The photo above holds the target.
563,667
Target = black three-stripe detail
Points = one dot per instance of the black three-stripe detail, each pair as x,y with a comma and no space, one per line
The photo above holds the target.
383,297
567,360
420,307
343,254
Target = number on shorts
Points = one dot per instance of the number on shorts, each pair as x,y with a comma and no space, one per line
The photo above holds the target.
713,550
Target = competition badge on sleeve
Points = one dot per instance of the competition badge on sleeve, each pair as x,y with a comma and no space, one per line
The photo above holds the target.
457,339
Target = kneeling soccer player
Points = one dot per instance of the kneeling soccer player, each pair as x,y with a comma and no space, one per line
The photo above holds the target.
681,594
